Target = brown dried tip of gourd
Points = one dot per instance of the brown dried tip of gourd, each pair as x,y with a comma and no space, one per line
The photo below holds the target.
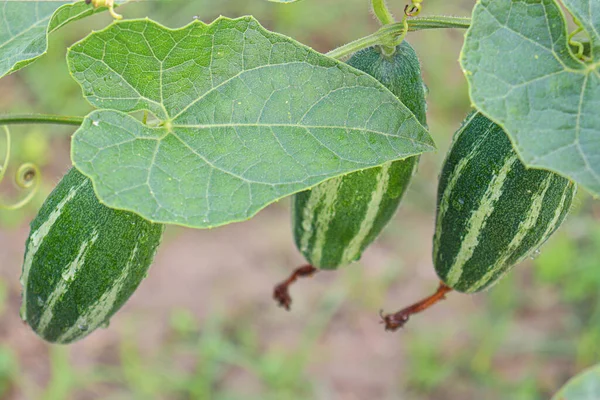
281,292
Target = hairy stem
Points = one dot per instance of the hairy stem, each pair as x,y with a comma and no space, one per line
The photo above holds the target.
385,17
10,119
391,31
382,13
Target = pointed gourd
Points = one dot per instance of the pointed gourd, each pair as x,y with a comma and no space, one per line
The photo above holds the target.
492,212
336,220
83,261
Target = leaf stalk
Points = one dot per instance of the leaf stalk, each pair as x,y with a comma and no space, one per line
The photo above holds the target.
12,119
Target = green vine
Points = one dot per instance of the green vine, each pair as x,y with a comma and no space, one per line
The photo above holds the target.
382,13
395,30
12,119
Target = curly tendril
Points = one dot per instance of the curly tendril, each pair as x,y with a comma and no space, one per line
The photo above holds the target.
579,53
415,8
27,177
105,3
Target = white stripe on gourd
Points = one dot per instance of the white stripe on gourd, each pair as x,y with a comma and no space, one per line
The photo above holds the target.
567,194
478,221
353,250
525,225
67,277
328,191
97,313
315,197
36,238
454,177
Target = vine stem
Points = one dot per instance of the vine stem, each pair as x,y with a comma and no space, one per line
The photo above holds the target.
391,31
40,119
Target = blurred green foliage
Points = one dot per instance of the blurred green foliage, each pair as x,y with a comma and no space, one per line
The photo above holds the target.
8,363
8,370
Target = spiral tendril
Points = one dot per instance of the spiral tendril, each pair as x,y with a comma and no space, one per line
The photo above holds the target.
415,8
579,53
27,177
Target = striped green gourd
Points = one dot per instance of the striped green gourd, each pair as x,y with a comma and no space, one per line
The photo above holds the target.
492,211
336,220
83,261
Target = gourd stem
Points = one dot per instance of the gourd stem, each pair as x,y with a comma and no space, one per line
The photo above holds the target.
281,291
397,320
396,29
385,17
40,119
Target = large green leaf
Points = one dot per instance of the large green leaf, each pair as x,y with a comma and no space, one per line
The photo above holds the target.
247,117
26,25
585,386
523,75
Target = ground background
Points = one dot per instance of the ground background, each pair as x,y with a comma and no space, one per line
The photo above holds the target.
203,325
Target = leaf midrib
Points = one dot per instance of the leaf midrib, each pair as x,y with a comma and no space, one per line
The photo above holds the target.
226,81
306,127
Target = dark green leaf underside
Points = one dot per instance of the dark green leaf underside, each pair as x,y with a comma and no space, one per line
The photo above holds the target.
523,75
247,117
